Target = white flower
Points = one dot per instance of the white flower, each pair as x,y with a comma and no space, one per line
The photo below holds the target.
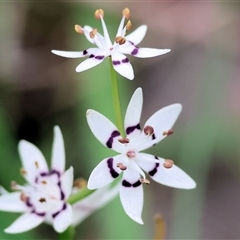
129,160
45,195
122,45
98,199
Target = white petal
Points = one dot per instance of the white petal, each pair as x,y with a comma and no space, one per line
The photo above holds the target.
3,191
58,151
91,203
143,52
87,30
63,220
122,65
171,177
137,35
104,130
91,62
133,114
105,172
120,28
69,54
161,121
131,195
105,33
11,202
24,223
32,160
67,182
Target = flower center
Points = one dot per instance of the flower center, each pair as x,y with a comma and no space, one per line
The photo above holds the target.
131,154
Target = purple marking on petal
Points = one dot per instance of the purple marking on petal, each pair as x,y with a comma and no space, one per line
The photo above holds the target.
44,174
53,171
156,157
110,140
136,184
154,170
132,128
125,60
91,56
116,62
135,51
63,208
28,203
99,57
62,194
113,173
126,183
36,180
39,214
85,52
153,136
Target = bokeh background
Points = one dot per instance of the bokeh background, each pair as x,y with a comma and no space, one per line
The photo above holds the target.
39,90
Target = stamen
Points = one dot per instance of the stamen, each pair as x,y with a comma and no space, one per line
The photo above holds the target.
168,163
23,171
79,183
121,166
42,200
129,25
99,13
36,164
131,154
169,132
126,13
93,33
148,130
23,197
144,180
14,185
120,40
78,29
44,182
123,140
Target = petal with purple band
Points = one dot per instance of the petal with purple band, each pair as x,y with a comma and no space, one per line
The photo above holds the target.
106,171
131,195
122,65
32,160
24,223
104,130
133,114
137,35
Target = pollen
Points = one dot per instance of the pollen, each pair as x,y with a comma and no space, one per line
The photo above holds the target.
42,200
99,13
120,40
121,166
148,130
44,182
123,140
168,163
78,29
144,181
169,132
93,33
126,13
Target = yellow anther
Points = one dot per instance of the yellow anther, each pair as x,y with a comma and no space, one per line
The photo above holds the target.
99,13
93,33
78,29
126,13
129,25
120,40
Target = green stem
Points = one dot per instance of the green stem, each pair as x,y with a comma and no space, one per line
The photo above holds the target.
84,192
68,234
116,100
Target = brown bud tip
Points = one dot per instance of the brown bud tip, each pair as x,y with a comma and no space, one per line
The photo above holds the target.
129,25
99,13
79,183
120,40
144,180
168,163
121,166
126,13
78,29
124,140
93,33
42,200
23,171
169,132
148,130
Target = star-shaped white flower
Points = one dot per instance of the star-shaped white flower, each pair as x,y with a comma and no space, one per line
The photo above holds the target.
129,160
122,45
45,195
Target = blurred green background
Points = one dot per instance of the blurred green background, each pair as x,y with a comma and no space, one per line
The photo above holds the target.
39,90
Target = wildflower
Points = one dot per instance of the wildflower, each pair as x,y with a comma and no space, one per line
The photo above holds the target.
45,195
122,45
129,160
